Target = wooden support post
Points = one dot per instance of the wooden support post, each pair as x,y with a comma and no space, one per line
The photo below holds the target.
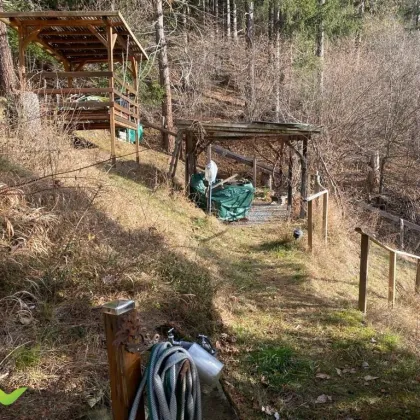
124,367
189,157
325,217
392,273
418,277
110,45
210,185
134,65
363,280
310,226
304,178
402,233
290,180
254,172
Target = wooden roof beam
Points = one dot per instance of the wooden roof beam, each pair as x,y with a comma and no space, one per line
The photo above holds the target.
62,22
95,32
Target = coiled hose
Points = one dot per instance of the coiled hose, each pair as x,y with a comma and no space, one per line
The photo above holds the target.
172,385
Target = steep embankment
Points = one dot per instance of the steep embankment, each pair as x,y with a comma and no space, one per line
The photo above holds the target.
284,322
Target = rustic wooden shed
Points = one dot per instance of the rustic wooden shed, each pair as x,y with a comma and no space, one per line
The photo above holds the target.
198,135
77,39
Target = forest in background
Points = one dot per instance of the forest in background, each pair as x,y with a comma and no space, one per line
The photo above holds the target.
351,67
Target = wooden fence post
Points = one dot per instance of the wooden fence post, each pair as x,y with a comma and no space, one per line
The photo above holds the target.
325,217
255,172
310,225
418,277
363,281
392,275
124,367
402,233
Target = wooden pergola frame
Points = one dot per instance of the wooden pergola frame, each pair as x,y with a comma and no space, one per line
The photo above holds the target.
76,39
198,135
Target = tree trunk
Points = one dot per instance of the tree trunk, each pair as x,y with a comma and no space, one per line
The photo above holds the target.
234,21
228,19
216,16
168,141
250,100
8,79
320,40
278,77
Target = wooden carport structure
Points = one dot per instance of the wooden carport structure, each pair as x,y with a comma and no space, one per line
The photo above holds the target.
77,39
198,135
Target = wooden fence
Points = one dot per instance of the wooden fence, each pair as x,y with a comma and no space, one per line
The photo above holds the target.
310,200
364,265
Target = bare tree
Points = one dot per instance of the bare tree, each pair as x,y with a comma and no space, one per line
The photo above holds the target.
234,21
7,75
168,141
250,100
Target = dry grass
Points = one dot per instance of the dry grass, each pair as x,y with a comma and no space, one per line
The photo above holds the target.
279,316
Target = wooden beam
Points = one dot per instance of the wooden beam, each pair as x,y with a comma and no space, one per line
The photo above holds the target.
51,50
304,177
101,38
392,275
125,85
310,225
32,36
62,22
124,367
93,41
110,44
65,74
363,278
254,171
325,217
70,91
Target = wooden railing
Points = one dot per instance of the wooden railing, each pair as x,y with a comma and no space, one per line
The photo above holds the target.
364,265
310,201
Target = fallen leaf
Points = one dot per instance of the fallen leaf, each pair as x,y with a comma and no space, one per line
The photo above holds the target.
277,416
322,399
338,371
370,378
322,376
373,340
25,319
365,365
264,380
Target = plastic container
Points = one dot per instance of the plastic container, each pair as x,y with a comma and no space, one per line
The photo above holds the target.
208,367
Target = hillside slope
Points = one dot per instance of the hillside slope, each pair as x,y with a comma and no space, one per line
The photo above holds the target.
279,317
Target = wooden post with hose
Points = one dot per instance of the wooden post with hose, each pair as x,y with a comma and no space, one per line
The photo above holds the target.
124,367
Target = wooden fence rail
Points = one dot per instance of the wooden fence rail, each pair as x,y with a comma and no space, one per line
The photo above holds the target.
310,201
366,238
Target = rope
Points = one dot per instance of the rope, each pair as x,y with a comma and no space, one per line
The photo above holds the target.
172,385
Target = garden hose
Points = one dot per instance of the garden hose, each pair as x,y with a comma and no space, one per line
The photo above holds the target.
172,385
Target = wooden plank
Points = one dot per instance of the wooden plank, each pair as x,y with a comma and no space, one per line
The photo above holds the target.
254,171
391,279
315,196
71,91
93,54
418,277
112,118
310,226
220,183
75,105
125,110
62,22
156,127
83,41
63,14
325,217
407,223
74,74
89,126
101,38
363,279
126,98
373,239
122,122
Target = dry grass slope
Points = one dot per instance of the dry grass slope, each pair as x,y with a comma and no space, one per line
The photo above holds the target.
71,242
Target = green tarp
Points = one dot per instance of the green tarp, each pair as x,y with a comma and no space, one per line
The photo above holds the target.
230,202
